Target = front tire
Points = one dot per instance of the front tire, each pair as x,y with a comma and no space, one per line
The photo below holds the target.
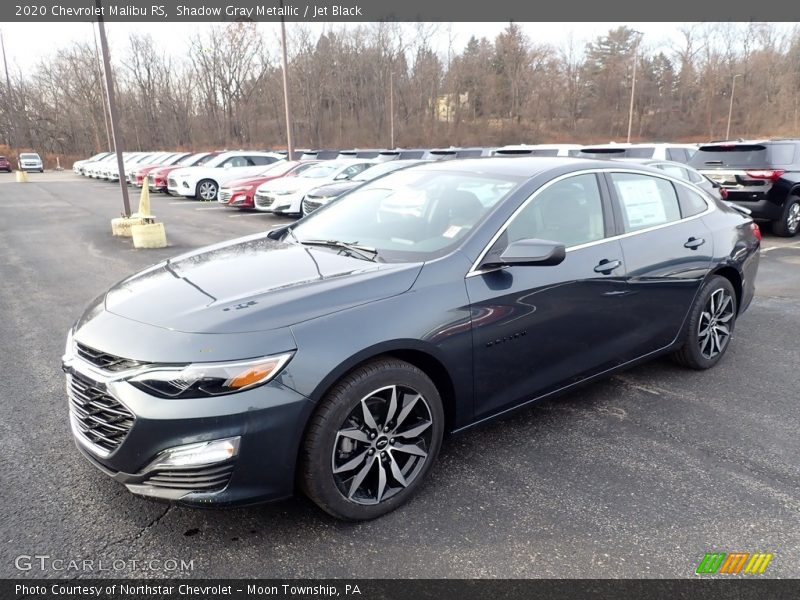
372,441
710,328
789,223
207,190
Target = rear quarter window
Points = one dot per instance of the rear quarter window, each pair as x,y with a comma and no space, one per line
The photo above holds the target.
691,202
782,154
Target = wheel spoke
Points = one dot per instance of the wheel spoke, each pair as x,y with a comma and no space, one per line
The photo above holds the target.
396,472
359,478
368,418
406,410
723,329
704,345
725,318
351,464
410,449
381,481
392,406
414,431
723,305
355,434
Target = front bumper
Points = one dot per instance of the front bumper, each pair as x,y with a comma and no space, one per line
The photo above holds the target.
268,420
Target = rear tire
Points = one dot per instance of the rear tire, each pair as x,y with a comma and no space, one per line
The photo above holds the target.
789,223
372,441
710,327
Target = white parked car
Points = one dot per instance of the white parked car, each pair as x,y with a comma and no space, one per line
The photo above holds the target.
142,159
79,166
30,161
538,150
93,169
286,195
661,151
204,182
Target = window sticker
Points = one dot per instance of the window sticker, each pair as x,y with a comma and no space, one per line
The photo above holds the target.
642,202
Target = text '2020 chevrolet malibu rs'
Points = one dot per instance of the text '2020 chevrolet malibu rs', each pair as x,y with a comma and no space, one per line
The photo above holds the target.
336,352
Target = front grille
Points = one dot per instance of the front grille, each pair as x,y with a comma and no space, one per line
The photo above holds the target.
106,361
264,200
224,196
310,205
172,183
193,479
99,417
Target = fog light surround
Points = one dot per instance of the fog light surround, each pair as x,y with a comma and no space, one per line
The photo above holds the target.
197,455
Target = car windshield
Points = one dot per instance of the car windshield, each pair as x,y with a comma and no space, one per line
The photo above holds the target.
321,171
408,215
29,156
380,169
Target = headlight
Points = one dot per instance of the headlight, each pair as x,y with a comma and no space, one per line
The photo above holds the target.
201,380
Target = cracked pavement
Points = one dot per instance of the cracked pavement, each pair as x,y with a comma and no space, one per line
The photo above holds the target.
635,476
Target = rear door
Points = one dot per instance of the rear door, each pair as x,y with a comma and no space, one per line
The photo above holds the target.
667,251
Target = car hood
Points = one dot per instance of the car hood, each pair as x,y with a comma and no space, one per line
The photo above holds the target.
332,190
301,184
254,284
240,181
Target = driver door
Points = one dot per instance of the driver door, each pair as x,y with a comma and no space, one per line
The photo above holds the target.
538,328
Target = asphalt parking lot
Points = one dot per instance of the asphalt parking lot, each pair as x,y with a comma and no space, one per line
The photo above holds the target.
636,476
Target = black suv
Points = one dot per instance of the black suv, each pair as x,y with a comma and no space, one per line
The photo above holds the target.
763,175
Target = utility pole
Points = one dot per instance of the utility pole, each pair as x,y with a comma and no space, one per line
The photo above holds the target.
112,109
633,83
102,92
285,60
391,108
730,107
9,103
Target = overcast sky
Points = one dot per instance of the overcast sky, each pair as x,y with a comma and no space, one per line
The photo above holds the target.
28,43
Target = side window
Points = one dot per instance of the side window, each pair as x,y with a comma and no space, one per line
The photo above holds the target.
570,212
692,203
645,201
782,154
261,160
351,171
675,171
678,155
236,161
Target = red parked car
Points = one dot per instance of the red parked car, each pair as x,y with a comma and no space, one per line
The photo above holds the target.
144,170
158,176
239,192
5,165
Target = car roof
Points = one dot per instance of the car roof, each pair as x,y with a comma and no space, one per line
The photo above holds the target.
519,166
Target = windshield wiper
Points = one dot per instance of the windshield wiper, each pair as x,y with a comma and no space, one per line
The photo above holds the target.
354,248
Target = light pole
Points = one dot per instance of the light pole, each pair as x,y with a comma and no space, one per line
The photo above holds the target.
391,108
730,107
112,110
285,61
102,93
633,83
9,103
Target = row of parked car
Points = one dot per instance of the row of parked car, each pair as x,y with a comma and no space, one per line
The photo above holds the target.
760,176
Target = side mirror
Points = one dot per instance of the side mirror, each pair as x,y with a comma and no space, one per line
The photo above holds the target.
227,166
530,252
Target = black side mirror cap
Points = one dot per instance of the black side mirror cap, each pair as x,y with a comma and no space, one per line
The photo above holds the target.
530,252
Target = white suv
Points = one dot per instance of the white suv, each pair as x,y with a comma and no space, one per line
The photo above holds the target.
30,161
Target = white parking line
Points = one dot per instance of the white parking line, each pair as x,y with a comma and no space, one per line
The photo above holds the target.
246,214
211,208
184,202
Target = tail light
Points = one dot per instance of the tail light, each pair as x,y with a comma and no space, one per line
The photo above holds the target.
723,192
756,230
771,174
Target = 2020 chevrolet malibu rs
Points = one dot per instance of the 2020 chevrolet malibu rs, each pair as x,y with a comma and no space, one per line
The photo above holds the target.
336,352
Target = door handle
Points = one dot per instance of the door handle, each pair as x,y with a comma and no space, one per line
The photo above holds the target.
606,266
694,243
